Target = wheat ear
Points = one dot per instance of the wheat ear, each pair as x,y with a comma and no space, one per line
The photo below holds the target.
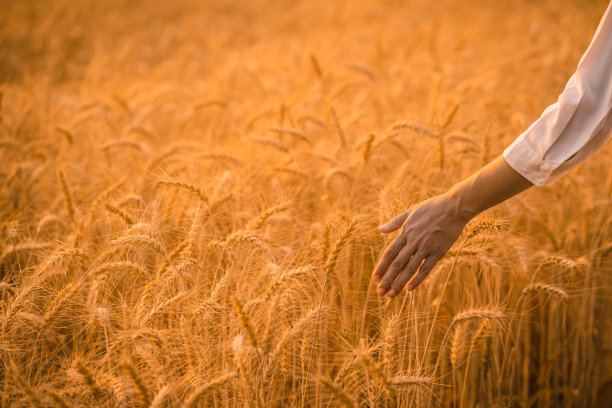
138,382
88,378
58,399
59,303
316,66
192,400
245,322
412,380
258,222
67,194
367,147
546,288
269,142
239,358
484,226
339,128
341,241
25,386
160,397
120,212
374,369
337,391
187,186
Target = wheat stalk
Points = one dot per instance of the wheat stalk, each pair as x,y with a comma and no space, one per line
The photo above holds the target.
141,239
118,265
143,391
280,278
450,116
59,303
187,186
339,128
416,127
25,386
292,171
336,249
160,397
492,313
316,66
124,143
48,220
336,171
120,212
337,392
484,226
457,345
291,332
367,147
271,143
376,371
67,194
226,157
546,288
239,357
291,132
258,222
61,254
58,399
88,378
245,322
412,381
192,400
485,358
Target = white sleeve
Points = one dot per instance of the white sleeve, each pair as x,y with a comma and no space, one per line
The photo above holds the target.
578,124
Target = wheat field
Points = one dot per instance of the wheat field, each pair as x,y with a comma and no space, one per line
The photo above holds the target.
190,194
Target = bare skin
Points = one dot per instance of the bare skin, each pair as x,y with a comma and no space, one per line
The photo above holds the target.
430,228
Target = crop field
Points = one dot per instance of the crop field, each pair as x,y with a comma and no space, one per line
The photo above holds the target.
190,193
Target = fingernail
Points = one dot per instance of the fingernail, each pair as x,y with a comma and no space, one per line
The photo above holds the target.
381,290
376,278
382,227
391,293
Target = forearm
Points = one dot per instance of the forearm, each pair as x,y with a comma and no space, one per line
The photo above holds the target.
432,226
491,185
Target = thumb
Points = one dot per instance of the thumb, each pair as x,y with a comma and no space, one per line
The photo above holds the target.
394,224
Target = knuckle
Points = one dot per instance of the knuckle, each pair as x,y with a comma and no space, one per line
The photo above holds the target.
412,266
428,247
399,284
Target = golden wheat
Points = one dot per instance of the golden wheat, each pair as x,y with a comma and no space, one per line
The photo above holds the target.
179,211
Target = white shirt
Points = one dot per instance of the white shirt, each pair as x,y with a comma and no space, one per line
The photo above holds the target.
578,124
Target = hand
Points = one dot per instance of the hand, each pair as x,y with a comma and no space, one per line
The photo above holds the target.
429,229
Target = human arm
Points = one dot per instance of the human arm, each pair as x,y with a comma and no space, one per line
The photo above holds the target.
578,124
567,133
430,228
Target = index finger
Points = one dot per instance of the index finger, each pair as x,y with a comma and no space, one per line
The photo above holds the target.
388,256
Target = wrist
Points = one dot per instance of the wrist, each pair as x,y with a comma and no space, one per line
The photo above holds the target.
460,204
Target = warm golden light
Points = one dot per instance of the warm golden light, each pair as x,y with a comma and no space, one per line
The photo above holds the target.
191,190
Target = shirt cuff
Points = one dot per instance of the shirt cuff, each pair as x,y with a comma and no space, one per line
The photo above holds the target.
523,158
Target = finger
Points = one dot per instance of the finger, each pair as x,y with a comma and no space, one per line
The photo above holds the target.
395,223
396,268
427,266
407,274
388,256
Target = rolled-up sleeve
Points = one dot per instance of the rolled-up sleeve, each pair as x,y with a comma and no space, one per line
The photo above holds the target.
578,124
